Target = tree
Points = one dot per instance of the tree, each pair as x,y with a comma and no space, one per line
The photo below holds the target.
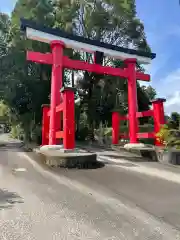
25,81
174,121
150,92
4,33
114,23
106,20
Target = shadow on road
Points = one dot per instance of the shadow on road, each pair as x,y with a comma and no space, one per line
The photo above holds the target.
9,199
87,166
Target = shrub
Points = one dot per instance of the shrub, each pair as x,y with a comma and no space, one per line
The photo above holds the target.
169,137
17,132
36,134
82,134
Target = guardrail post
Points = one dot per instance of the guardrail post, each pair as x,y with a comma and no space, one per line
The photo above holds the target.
159,118
45,124
68,117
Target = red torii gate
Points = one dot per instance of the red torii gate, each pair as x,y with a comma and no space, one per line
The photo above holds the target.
157,113
59,62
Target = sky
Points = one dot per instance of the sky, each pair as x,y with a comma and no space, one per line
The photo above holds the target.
7,5
161,20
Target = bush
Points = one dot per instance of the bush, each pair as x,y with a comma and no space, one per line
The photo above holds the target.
17,132
36,134
148,141
169,137
82,134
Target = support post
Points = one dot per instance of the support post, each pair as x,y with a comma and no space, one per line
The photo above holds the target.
159,118
68,118
45,124
56,84
115,127
132,99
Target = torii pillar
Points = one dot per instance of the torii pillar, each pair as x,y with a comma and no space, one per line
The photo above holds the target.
56,84
56,60
132,99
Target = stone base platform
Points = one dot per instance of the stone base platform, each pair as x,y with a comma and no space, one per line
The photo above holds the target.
172,156
146,152
57,156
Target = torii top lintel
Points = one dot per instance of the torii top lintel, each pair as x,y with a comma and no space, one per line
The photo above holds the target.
46,34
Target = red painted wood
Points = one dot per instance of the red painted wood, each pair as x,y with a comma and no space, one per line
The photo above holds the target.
45,125
148,113
60,107
44,58
145,135
132,100
59,62
81,65
60,134
159,118
124,118
123,136
69,119
47,58
143,76
56,85
115,127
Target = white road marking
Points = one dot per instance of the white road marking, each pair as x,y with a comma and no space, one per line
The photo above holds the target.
20,170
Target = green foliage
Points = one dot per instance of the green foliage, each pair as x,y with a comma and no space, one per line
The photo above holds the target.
125,129
36,134
174,120
150,92
81,125
24,86
4,33
21,82
169,137
17,132
4,110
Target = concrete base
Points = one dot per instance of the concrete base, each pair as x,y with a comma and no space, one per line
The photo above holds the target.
134,146
172,156
57,156
145,151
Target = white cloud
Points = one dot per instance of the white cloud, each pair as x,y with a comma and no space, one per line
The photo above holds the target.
170,84
174,99
156,65
173,103
169,87
153,68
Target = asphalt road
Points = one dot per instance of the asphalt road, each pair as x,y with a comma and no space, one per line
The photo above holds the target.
112,202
